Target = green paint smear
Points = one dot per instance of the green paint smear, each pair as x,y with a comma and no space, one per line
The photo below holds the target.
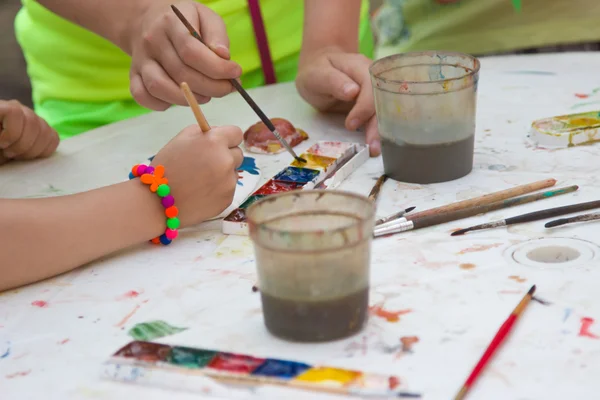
517,5
191,358
153,330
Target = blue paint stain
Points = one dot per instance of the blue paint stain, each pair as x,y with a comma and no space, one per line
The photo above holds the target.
280,369
567,314
7,352
298,175
249,165
151,158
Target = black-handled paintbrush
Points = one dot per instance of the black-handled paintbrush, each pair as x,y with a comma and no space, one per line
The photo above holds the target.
533,216
578,218
243,92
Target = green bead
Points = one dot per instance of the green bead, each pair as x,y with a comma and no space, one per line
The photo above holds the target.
163,190
173,223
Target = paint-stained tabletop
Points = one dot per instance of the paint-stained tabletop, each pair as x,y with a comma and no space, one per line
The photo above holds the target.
437,300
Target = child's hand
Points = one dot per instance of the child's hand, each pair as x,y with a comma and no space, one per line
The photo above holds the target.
201,169
164,54
333,80
24,135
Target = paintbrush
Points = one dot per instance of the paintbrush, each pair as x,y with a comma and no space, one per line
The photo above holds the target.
416,222
241,91
377,187
533,216
489,198
200,118
578,218
502,333
393,216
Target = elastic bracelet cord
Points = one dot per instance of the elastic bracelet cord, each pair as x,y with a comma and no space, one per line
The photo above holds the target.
154,177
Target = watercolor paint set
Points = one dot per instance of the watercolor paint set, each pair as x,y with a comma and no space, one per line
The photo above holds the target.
567,130
328,164
183,368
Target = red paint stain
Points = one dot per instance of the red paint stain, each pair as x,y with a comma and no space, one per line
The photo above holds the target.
129,315
132,294
393,382
64,341
40,304
478,248
390,316
582,95
584,331
408,342
17,374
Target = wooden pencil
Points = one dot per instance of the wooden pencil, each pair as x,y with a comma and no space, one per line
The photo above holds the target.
533,216
488,198
191,99
415,222
263,117
377,187
570,220
501,335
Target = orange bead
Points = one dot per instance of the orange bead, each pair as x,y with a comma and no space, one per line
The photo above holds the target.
171,212
156,240
134,169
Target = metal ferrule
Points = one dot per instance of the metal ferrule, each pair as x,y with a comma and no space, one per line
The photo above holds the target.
401,227
395,222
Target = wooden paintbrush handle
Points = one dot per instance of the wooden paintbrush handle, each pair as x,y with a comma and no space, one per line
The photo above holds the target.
488,198
191,99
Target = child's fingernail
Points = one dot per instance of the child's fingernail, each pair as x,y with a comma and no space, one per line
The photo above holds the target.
350,88
375,147
353,125
222,50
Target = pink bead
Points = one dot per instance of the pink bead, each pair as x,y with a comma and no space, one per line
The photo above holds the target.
168,201
171,233
141,169
149,170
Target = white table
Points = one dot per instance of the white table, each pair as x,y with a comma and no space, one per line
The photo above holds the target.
460,290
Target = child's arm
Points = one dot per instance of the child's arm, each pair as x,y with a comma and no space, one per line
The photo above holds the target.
40,238
24,135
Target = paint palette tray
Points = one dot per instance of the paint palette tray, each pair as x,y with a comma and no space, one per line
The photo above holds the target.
186,368
328,164
566,130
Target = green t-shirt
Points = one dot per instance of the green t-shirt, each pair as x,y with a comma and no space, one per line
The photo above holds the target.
483,26
81,81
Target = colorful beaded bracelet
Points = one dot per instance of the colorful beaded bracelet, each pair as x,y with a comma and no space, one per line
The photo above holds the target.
154,176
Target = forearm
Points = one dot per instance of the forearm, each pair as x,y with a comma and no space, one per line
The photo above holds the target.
111,19
40,238
330,24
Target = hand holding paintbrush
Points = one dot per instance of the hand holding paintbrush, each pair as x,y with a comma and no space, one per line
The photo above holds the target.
243,92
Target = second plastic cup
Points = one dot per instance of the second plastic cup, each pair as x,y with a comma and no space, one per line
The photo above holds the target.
426,105
312,256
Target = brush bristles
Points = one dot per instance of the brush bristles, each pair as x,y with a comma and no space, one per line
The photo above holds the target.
301,160
557,222
460,232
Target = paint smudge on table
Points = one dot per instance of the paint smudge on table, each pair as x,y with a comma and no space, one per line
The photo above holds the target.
517,278
408,342
126,317
64,341
567,314
582,95
467,266
6,351
153,330
584,330
132,294
390,316
530,72
18,374
40,304
478,248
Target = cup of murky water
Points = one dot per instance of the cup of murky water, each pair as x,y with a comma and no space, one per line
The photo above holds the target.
313,251
425,104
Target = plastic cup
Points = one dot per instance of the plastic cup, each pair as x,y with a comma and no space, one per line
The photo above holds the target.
313,251
425,104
